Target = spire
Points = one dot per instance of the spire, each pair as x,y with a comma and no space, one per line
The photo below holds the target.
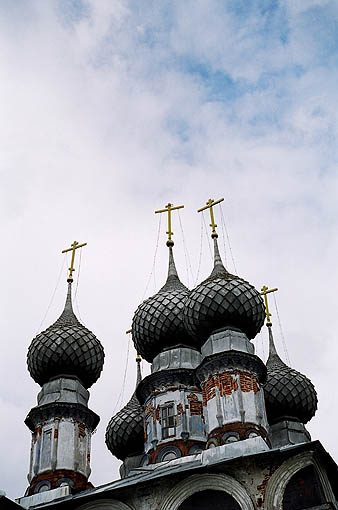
219,269
138,370
173,282
273,360
68,317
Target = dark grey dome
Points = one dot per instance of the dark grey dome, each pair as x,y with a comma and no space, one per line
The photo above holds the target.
158,321
66,348
125,433
287,392
223,300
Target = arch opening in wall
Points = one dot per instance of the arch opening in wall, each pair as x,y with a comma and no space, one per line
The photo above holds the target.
218,500
303,491
204,490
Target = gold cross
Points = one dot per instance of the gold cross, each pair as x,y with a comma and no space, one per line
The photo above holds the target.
210,205
168,208
265,292
73,247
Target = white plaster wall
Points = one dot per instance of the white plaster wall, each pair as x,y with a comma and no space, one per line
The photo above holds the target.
65,446
176,397
231,406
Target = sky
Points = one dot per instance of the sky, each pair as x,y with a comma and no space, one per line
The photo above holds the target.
110,110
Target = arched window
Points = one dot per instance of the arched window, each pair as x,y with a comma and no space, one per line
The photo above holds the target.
303,490
218,500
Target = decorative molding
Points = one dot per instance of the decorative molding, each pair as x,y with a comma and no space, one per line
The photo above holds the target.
281,477
105,504
40,414
161,381
202,482
230,361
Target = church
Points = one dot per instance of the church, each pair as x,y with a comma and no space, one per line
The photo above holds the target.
212,426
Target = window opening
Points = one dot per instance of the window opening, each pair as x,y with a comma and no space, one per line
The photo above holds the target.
168,421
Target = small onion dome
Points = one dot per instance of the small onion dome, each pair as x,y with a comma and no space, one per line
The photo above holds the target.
158,321
287,392
223,301
125,433
66,348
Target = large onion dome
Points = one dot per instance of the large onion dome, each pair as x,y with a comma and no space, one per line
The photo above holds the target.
125,433
158,321
223,300
66,348
288,394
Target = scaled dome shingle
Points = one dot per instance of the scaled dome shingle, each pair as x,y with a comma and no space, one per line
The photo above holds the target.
66,348
223,300
287,392
125,432
158,321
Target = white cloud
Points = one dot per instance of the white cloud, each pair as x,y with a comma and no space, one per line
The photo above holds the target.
102,122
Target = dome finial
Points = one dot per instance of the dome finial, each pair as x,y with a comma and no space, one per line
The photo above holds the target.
210,204
73,247
138,370
264,292
68,316
168,208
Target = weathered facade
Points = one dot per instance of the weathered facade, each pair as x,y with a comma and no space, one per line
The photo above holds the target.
212,426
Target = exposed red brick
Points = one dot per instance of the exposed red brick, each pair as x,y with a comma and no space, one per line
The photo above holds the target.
80,482
183,446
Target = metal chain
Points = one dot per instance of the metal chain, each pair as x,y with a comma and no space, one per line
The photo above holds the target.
201,250
228,239
186,253
120,397
281,332
53,295
154,260
206,233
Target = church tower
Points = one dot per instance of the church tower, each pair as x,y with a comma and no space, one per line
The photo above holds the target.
65,359
222,314
290,397
171,396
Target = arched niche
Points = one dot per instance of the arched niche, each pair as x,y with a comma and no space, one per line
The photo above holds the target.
282,476
104,504
207,482
303,490
203,499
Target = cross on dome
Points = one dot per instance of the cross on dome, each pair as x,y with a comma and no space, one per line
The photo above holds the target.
71,269
168,208
210,204
264,292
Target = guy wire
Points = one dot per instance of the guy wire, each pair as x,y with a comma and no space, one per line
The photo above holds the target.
53,295
186,253
206,233
155,254
223,236
201,249
228,239
281,331
120,397
77,285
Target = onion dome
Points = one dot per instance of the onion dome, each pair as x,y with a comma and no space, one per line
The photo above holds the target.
158,321
287,392
125,433
223,300
66,348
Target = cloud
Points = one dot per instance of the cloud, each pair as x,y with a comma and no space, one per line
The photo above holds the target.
109,111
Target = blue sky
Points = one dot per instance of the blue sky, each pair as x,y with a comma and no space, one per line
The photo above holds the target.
110,109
